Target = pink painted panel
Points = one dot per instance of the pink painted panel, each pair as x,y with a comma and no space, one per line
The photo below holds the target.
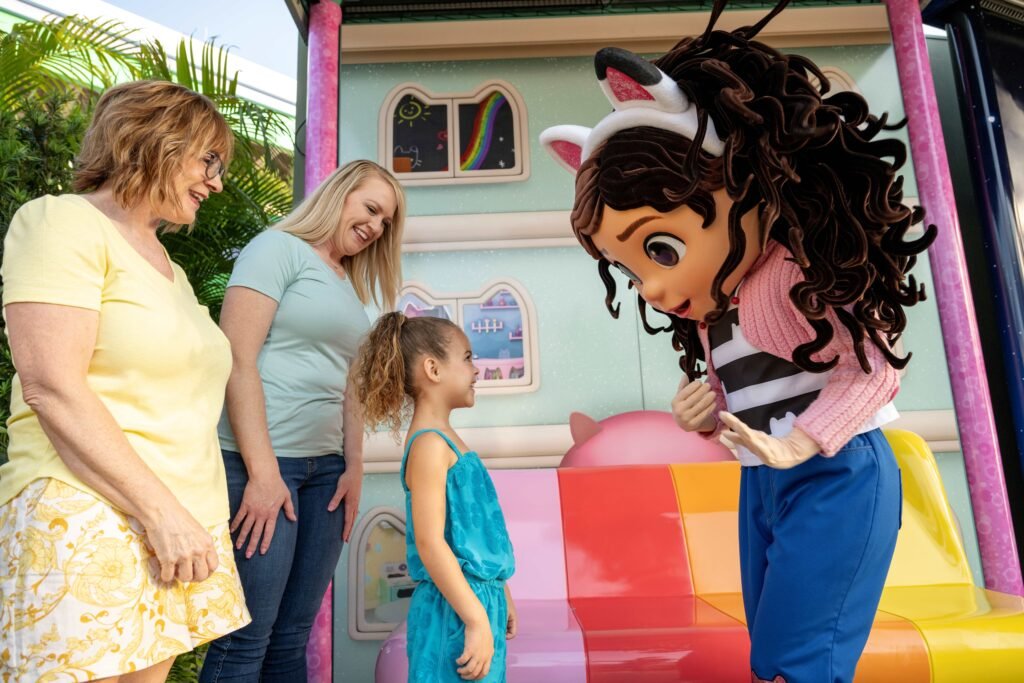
531,503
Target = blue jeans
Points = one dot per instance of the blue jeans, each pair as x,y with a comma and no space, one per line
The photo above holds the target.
815,546
285,587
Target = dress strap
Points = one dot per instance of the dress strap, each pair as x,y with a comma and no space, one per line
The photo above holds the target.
408,447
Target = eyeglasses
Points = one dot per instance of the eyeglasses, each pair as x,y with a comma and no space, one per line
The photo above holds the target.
214,166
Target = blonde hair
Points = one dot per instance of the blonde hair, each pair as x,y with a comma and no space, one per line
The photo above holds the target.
376,271
383,371
140,137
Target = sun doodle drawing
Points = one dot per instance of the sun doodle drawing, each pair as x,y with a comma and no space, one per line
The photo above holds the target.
411,111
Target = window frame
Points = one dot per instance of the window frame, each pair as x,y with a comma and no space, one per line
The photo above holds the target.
455,175
457,300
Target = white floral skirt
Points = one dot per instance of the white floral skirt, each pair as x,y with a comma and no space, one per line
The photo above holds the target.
79,599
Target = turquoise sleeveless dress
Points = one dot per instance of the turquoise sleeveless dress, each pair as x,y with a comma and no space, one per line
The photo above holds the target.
475,531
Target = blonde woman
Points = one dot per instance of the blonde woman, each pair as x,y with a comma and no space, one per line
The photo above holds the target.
291,433
115,553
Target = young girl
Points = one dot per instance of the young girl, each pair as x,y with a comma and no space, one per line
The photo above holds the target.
766,222
458,547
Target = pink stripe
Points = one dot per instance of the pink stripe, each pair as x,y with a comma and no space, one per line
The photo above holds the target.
956,309
322,87
321,160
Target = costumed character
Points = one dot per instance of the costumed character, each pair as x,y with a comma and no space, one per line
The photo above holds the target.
763,218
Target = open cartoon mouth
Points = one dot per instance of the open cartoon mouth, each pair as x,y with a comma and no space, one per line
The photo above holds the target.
681,310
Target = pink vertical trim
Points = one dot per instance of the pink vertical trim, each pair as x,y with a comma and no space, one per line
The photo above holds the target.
956,308
322,89
321,159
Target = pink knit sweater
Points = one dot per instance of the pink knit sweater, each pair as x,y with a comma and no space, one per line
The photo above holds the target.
772,324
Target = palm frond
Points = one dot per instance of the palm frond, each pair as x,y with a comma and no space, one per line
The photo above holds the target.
68,55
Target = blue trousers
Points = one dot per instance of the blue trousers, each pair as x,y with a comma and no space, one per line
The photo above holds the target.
284,588
815,546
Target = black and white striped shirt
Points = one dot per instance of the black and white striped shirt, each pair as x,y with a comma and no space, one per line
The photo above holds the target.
765,391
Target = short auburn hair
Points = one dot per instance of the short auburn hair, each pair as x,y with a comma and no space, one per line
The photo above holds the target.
140,137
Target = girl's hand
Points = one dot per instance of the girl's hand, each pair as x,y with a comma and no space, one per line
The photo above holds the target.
350,487
512,627
475,662
263,498
781,454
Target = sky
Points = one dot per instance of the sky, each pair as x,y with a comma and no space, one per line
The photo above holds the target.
261,31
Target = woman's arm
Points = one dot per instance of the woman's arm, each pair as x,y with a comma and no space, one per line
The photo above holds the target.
350,484
245,319
426,474
53,370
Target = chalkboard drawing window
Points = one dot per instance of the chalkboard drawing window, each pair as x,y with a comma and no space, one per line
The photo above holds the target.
455,137
379,587
501,325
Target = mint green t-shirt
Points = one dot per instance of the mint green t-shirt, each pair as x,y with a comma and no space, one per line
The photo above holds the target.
312,341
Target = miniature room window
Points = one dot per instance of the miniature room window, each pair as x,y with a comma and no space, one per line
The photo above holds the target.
454,137
500,323
379,587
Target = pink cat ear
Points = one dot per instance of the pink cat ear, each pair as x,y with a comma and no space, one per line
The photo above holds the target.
582,427
631,81
624,89
565,144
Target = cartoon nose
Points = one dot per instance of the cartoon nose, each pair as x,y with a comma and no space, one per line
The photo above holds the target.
653,293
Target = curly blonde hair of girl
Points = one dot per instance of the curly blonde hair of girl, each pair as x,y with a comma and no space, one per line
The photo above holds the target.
384,367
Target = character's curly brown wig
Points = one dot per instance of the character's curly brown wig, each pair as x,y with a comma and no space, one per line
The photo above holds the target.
383,369
823,186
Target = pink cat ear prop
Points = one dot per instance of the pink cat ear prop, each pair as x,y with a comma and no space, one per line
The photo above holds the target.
582,427
625,92
644,95
641,95
565,144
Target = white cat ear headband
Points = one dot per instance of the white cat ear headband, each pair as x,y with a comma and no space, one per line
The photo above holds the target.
641,95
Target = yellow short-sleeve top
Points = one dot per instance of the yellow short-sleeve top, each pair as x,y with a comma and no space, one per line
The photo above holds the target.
160,364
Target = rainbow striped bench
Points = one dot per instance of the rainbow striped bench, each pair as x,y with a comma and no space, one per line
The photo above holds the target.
631,574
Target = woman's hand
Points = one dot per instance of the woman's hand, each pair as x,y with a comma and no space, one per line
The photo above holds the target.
350,487
264,496
183,548
478,651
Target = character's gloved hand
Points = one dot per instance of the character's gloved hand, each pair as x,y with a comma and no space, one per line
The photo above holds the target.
782,454
694,405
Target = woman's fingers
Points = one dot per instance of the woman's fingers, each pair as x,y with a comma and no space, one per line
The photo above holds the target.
243,534
254,537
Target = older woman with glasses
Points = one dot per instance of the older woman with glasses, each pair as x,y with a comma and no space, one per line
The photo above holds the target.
115,553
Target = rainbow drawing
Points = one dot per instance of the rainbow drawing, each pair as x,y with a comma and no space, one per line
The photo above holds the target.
483,129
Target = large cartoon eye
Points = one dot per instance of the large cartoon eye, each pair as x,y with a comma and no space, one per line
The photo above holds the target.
628,273
664,249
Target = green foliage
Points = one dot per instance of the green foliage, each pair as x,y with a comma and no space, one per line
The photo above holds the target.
51,75
70,55
36,148
187,666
